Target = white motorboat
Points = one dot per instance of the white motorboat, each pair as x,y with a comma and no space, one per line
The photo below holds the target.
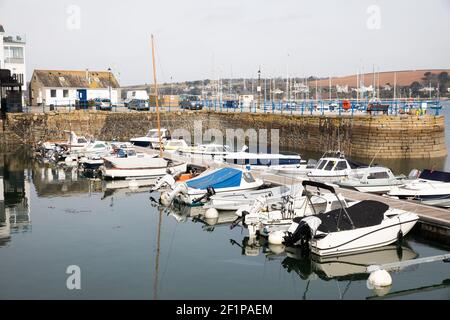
431,187
206,151
233,201
174,145
332,167
93,150
298,170
378,180
128,164
73,143
151,140
365,225
219,181
264,219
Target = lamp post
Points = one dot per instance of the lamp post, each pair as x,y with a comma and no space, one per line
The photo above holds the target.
109,76
259,88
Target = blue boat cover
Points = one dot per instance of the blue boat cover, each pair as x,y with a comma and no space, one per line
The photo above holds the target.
223,178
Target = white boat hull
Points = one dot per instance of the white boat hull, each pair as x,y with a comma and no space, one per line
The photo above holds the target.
115,173
361,239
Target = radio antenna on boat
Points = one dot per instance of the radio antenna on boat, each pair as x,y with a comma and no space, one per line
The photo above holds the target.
156,98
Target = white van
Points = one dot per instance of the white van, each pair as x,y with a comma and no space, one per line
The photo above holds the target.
135,94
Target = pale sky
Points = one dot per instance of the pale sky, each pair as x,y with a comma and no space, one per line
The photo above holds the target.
199,39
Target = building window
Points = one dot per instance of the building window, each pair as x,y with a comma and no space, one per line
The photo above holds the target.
53,93
13,54
65,93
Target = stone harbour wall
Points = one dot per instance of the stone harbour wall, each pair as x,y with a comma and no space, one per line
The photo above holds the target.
360,136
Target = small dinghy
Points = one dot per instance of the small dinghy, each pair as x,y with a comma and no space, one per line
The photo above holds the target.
221,181
130,164
431,188
365,225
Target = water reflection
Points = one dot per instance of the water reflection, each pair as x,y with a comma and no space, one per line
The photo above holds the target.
57,181
14,198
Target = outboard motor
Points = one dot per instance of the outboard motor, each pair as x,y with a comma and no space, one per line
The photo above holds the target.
168,180
167,197
209,193
301,231
249,214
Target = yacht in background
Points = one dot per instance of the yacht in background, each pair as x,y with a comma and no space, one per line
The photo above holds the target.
151,140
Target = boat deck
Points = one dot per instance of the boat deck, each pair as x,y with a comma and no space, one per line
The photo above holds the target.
435,216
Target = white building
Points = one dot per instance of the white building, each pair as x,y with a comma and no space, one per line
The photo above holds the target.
12,55
62,88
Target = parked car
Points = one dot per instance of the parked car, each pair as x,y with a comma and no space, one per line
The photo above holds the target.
191,103
138,104
231,104
103,104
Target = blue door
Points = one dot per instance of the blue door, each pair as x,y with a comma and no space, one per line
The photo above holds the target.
82,97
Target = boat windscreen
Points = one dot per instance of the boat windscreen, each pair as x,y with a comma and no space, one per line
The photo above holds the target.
435,175
223,178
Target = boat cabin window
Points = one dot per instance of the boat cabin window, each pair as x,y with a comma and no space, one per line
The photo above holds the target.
81,140
378,175
342,165
248,177
100,145
321,164
329,165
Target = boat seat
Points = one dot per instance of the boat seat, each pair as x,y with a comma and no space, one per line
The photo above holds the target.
364,214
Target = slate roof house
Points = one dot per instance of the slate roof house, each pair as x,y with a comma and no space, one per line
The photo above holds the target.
62,87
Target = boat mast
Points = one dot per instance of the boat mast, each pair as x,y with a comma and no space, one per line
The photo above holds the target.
156,98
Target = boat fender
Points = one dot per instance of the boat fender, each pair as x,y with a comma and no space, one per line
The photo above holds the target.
211,213
379,278
164,199
276,248
277,237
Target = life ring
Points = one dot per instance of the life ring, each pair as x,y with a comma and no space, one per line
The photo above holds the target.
346,105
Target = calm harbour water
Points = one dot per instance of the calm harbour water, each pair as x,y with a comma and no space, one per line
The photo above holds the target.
50,220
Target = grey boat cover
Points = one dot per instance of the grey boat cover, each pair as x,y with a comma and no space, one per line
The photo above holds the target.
366,213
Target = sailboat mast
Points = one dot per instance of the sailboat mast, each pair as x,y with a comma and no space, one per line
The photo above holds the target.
156,98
